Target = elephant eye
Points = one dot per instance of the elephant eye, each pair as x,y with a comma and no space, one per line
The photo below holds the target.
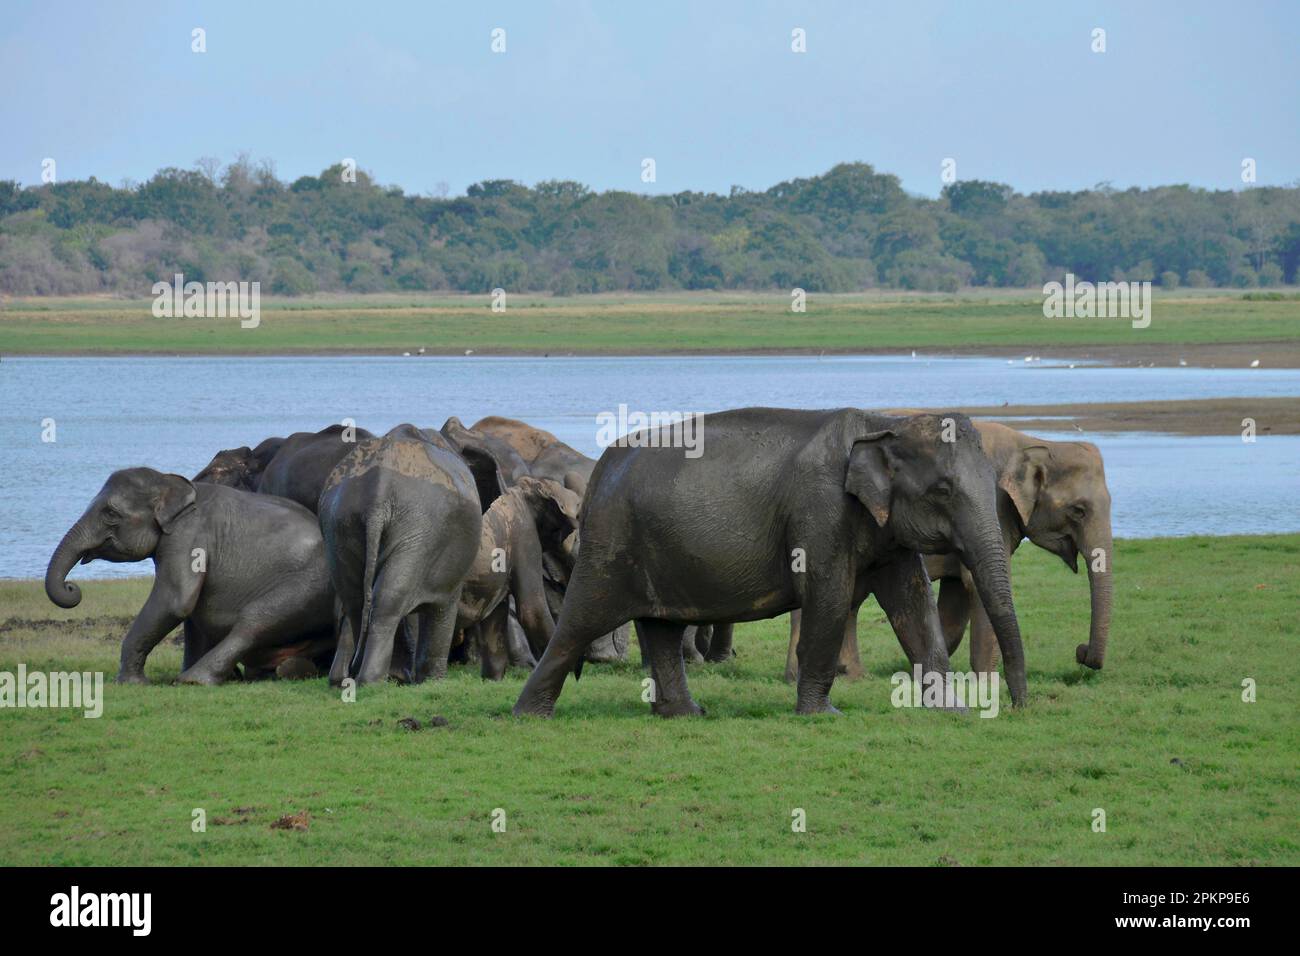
943,489
1078,510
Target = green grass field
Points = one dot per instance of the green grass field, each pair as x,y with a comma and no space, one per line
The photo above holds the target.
709,322
1161,740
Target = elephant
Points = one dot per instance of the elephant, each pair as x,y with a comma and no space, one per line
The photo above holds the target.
784,509
295,467
402,520
531,518
546,455
1052,493
245,573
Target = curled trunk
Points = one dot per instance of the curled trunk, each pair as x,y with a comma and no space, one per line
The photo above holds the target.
57,588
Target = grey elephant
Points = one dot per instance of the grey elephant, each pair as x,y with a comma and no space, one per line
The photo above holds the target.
1053,494
534,517
244,573
784,509
295,467
402,519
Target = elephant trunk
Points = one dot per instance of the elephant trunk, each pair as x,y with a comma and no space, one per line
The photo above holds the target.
74,544
1097,552
988,564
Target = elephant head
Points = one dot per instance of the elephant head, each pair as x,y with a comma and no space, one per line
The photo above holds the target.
240,467
512,465
1060,496
232,467
555,512
926,480
123,523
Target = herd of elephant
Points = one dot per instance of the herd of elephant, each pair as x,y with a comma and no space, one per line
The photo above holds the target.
389,556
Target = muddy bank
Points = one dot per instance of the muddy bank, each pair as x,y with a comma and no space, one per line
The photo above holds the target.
1283,354
1210,416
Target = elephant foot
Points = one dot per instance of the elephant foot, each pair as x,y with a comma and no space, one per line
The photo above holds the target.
719,658
198,677
822,706
1081,655
132,677
686,708
534,707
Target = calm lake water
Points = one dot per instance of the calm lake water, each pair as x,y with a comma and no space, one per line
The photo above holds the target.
175,413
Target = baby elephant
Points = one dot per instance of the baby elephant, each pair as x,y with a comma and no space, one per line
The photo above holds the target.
243,572
534,517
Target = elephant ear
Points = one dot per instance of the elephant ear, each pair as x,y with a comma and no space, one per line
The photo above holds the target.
488,479
563,502
1025,478
555,509
175,499
870,475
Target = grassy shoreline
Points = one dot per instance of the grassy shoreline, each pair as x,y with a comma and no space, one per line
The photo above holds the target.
1196,328
1187,772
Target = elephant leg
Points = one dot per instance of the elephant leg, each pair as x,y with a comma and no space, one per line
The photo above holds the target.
196,645
155,621
703,638
984,653
216,666
493,643
406,651
954,611
587,614
437,628
521,655
903,590
850,662
664,640
376,645
792,652
821,635
720,648
690,651
348,627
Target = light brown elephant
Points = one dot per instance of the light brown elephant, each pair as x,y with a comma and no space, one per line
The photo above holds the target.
548,457
1052,493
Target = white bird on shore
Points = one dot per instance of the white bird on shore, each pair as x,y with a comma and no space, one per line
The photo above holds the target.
1182,363
913,353
1255,364
406,355
1029,358
421,349
469,351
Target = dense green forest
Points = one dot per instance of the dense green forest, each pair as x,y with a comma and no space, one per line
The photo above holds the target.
850,229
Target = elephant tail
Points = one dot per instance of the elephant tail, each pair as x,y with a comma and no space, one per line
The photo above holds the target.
374,534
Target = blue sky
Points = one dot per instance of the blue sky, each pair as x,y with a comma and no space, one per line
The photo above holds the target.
710,90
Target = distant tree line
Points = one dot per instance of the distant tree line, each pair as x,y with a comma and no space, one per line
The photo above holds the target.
850,229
